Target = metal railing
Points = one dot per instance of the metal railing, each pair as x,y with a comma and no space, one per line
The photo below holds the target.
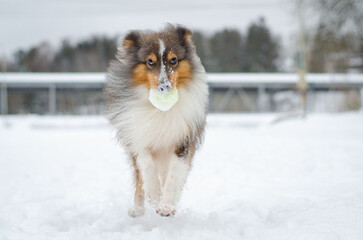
231,83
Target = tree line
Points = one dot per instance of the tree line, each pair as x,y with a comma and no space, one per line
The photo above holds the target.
227,50
91,55
334,44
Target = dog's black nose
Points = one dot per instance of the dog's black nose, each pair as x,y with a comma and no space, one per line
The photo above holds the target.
161,89
164,87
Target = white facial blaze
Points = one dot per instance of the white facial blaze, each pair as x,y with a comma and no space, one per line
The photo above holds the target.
163,77
161,48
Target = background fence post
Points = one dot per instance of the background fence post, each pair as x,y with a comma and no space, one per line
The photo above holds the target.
52,99
261,94
4,98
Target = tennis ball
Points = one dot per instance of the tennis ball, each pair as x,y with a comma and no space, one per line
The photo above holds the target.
163,101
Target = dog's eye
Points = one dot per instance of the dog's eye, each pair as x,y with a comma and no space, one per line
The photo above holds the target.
173,61
150,62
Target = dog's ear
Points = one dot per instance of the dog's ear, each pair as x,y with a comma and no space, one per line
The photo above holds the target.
184,34
132,40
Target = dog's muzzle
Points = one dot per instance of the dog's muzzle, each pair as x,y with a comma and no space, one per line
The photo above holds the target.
164,87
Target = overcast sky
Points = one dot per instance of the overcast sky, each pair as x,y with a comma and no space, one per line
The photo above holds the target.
24,23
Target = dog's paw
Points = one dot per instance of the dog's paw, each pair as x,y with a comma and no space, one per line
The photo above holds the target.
166,211
137,211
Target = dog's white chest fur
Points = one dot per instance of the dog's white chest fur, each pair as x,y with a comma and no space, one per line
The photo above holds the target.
145,127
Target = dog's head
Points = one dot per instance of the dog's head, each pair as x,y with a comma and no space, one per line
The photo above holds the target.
160,60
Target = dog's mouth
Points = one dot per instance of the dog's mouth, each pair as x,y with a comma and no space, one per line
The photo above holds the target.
163,100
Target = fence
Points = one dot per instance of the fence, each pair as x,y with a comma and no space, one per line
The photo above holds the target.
236,91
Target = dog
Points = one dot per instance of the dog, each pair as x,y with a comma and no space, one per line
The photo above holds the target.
160,143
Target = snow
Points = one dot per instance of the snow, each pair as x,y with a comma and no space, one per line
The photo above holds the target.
255,178
225,79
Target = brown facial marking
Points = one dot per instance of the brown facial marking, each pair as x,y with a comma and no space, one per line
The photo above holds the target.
143,76
153,57
171,55
152,76
184,74
173,74
140,75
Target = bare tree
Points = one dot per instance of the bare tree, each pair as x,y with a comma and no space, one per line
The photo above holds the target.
337,35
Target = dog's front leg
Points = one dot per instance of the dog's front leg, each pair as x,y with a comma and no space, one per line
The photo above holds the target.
149,173
138,209
177,174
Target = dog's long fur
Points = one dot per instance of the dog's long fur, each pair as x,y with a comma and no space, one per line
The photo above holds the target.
161,144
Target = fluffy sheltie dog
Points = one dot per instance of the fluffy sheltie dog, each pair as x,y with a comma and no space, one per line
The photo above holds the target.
161,139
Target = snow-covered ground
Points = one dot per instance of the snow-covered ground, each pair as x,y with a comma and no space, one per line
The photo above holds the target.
65,178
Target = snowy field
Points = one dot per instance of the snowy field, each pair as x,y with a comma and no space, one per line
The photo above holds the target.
65,178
